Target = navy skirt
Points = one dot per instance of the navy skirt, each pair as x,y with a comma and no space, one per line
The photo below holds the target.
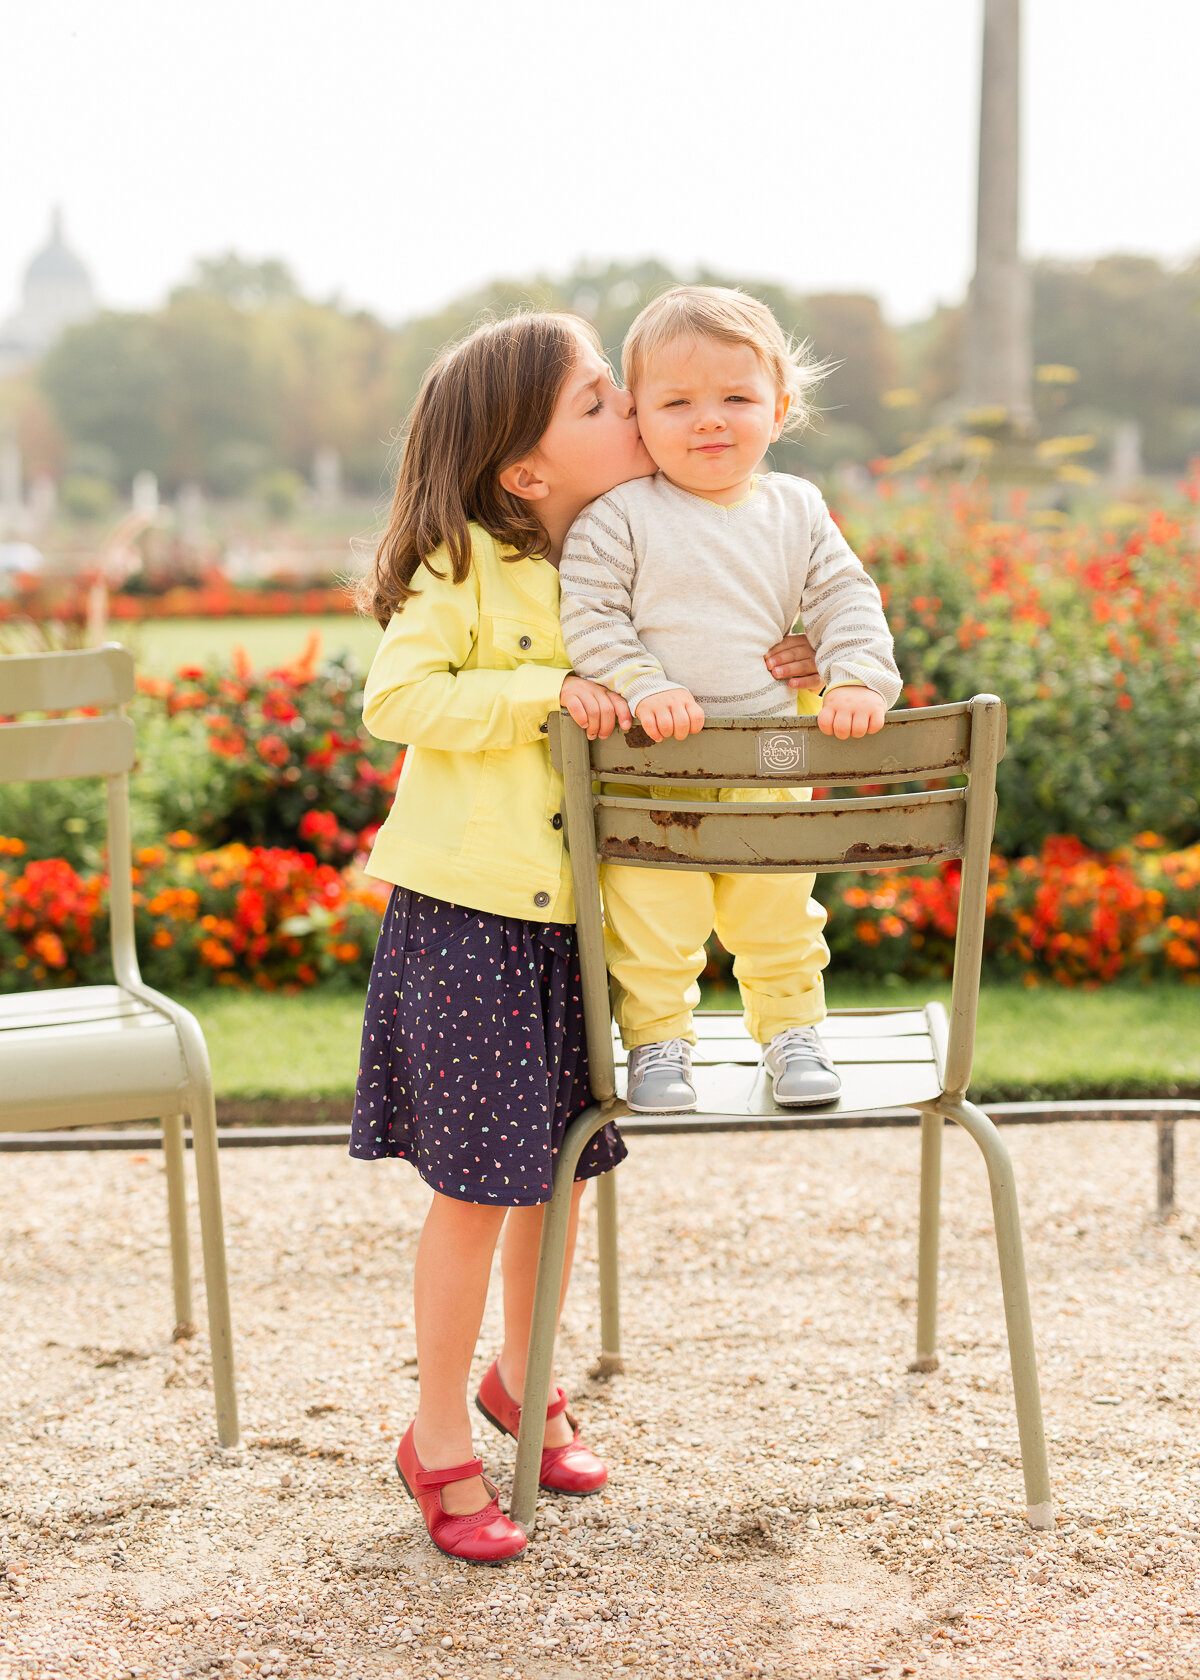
474,1060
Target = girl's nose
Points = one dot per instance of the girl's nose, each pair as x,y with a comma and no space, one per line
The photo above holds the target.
710,421
625,398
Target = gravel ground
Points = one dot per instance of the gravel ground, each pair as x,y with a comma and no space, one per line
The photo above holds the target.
785,1498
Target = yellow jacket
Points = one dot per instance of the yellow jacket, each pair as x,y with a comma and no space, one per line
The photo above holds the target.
467,674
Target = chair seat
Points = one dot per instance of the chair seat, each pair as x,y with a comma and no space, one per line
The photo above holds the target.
887,1058
86,1056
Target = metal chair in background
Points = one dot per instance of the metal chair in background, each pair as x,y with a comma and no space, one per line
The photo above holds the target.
888,1057
100,1055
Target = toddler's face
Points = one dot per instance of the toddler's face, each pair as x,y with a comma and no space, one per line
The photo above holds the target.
708,413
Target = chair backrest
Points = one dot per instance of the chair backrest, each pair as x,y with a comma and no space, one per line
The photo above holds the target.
49,748
867,831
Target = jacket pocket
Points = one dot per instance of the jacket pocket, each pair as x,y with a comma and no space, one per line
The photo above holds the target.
516,641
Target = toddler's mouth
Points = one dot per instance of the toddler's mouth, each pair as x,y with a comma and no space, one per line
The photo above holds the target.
712,448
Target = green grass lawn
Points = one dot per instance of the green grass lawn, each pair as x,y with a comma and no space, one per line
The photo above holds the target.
162,645
1043,1044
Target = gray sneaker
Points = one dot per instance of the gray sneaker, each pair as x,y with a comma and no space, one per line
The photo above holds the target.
801,1068
660,1078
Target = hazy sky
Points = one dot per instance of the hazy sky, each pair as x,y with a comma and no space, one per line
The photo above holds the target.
399,153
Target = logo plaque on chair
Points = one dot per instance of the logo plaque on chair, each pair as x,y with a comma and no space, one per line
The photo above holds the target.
780,752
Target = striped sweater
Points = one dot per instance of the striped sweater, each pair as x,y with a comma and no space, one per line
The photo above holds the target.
662,589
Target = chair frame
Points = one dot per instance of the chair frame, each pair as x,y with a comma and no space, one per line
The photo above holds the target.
77,747
901,830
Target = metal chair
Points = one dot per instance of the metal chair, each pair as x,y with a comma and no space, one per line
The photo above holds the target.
99,1055
886,1057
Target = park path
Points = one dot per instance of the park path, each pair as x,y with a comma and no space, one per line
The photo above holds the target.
786,1499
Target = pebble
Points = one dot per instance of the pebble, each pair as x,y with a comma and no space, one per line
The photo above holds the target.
786,1498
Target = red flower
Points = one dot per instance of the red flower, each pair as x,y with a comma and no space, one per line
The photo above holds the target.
273,749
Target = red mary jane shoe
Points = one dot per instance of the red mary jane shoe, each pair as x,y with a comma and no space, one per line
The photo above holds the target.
484,1536
572,1469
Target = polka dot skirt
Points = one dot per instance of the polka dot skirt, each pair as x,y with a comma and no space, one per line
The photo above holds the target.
474,1059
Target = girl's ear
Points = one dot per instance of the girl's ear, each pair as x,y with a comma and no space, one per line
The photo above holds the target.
523,479
782,404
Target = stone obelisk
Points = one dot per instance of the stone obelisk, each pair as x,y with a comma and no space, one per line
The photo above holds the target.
998,349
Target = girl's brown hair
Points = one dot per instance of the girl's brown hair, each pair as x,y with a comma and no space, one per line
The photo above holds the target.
484,404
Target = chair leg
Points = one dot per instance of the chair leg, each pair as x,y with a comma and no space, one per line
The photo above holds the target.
181,1279
1022,1354
932,1127
216,1283
611,1362
544,1321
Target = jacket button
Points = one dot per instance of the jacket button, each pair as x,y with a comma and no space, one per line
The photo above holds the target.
543,728
556,820
541,900
525,643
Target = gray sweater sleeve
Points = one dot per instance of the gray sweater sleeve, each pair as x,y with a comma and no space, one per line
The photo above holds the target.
843,616
596,579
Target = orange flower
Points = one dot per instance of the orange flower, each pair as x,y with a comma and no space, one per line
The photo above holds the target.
49,947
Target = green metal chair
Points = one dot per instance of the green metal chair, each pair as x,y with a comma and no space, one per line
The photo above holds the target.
886,1057
99,1055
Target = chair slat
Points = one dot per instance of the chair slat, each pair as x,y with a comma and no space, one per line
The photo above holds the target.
65,747
59,682
712,1052
734,1090
789,752
895,829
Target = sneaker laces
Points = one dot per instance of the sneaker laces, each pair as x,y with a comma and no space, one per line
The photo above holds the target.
671,1053
802,1042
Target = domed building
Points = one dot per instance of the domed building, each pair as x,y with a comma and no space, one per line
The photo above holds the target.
56,292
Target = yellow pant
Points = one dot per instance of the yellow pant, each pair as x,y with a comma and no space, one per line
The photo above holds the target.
657,921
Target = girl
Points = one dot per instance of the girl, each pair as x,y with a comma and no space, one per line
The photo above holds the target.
473,1058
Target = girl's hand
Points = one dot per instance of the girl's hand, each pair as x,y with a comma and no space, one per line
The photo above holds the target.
852,709
671,712
792,661
594,708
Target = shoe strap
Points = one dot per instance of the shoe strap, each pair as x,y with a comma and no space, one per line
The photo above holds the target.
428,1480
557,1406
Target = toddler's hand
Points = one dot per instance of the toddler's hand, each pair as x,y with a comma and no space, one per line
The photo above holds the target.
594,708
850,710
673,712
792,661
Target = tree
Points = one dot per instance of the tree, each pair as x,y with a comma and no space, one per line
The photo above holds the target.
107,381
1131,328
247,285
849,330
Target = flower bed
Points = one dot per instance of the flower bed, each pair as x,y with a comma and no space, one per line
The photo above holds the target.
288,761
66,601
281,920
1090,636
264,917
1070,916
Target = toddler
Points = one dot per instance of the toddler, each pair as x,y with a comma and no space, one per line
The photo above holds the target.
672,588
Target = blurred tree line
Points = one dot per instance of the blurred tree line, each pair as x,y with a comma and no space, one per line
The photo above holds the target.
238,375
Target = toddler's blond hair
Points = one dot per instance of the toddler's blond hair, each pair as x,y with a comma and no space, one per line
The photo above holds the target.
730,316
